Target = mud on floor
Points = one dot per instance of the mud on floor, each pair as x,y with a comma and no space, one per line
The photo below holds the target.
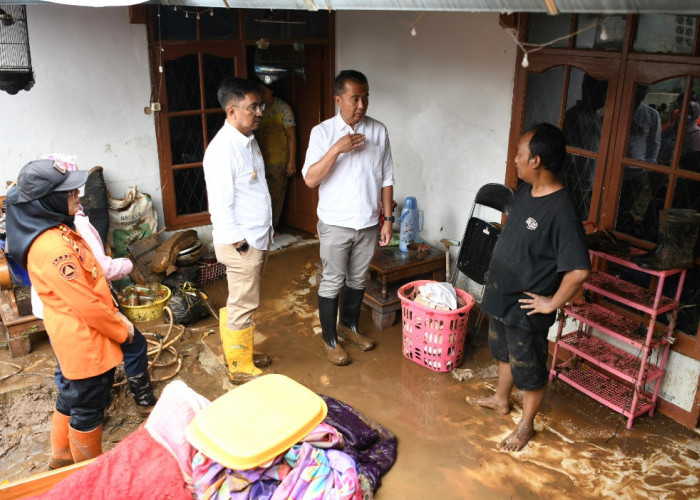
24,432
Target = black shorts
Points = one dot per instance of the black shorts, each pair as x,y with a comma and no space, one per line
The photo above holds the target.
525,352
85,400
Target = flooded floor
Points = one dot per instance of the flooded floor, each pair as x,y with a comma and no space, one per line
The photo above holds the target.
447,448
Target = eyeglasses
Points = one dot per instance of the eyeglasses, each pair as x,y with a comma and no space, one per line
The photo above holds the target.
256,108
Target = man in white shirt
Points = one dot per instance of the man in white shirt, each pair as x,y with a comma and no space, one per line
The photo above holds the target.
349,158
241,217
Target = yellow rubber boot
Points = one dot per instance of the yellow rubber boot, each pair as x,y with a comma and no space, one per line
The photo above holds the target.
238,351
85,445
60,448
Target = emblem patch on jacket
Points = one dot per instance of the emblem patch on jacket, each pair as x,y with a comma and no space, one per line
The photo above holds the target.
68,270
531,223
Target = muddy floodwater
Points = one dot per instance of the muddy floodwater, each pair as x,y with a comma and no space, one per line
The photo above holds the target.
447,448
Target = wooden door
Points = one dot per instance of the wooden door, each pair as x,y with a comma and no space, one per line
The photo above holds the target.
312,100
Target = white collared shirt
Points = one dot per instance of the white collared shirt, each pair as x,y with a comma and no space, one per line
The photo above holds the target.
239,201
350,195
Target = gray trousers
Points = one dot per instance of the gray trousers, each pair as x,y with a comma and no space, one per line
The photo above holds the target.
345,255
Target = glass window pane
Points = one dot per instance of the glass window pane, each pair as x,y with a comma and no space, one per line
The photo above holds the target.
690,149
544,96
214,122
186,141
182,81
171,24
542,28
685,195
215,69
218,24
601,32
644,135
642,195
585,107
578,175
666,97
190,191
665,34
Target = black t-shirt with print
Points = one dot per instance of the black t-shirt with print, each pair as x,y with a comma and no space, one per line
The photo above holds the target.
542,239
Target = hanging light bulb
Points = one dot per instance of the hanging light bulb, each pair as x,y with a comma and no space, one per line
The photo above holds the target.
197,16
525,63
413,31
603,31
175,9
187,15
211,12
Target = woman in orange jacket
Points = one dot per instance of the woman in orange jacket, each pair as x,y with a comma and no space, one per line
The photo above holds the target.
80,315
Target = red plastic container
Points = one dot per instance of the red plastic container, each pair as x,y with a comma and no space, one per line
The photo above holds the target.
433,338
210,270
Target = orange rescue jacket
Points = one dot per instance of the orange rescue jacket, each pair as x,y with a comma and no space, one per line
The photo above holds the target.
80,315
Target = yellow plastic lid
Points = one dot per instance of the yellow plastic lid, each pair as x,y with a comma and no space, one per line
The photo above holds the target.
257,421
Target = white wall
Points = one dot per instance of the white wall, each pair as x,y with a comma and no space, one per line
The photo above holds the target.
445,96
92,83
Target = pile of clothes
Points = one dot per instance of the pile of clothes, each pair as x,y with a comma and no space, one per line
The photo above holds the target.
343,458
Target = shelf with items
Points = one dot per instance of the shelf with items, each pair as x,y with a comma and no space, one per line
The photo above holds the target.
615,376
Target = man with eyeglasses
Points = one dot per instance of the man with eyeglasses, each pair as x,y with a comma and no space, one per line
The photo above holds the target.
241,217
349,158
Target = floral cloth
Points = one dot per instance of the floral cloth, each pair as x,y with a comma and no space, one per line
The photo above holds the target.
308,471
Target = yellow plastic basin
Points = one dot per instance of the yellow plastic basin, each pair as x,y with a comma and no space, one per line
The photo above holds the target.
257,421
148,312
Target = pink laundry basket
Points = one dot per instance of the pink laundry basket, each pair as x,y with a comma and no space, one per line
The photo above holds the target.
431,337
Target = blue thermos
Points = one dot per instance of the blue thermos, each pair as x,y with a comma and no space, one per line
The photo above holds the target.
411,223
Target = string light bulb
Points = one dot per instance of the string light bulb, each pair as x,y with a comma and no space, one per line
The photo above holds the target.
525,63
197,16
413,31
603,31
211,12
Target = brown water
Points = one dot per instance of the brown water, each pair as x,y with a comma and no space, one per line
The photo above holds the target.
447,448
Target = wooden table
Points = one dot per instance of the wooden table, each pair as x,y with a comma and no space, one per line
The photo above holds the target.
390,268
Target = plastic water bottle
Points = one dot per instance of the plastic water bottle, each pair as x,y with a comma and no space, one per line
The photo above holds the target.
411,223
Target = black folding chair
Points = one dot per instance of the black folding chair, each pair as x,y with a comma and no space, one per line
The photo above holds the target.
480,236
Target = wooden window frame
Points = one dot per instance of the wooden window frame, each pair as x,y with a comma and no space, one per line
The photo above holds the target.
687,345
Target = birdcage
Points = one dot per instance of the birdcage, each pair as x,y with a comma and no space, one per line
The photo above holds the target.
275,61
15,60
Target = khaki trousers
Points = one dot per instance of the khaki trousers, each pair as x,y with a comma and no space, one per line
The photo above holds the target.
243,272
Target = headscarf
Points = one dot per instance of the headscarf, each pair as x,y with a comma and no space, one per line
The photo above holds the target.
24,222
39,202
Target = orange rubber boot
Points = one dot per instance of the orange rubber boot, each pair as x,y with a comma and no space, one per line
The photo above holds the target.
85,445
60,449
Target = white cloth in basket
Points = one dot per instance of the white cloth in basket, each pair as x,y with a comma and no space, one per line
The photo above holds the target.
439,295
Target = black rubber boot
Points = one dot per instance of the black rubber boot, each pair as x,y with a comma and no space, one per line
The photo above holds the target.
142,391
328,314
349,324
678,233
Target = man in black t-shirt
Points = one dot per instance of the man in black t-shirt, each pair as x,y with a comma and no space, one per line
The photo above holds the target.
540,261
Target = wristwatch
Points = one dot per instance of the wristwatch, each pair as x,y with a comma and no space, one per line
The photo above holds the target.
243,247
391,218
